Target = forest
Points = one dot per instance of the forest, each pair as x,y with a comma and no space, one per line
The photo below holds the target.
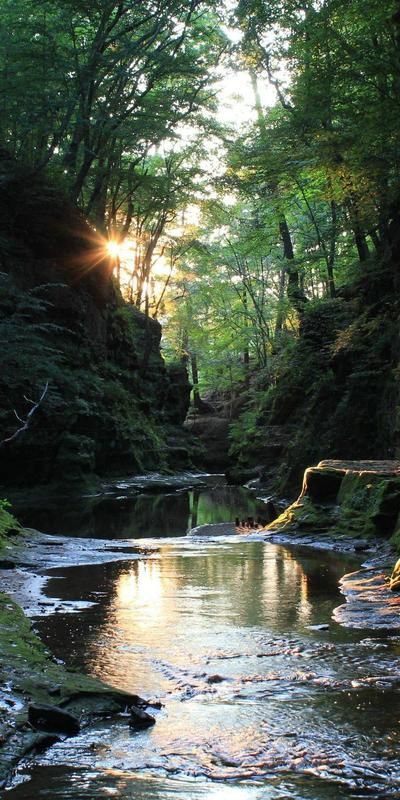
237,165
199,323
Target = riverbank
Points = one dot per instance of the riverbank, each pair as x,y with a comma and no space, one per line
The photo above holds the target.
237,640
31,678
352,506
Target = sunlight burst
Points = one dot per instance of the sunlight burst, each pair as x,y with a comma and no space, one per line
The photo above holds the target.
113,249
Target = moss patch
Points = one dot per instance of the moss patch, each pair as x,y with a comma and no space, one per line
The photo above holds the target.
303,514
8,522
27,675
369,505
349,498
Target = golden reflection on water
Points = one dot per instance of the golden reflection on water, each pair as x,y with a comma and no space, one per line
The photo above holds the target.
142,588
270,584
232,612
145,787
305,607
285,577
173,606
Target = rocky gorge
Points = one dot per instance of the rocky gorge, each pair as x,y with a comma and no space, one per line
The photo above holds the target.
349,507
111,404
86,397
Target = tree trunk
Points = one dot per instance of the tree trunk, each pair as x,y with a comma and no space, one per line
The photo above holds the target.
332,252
358,232
246,353
280,317
361,243
197,401
294,291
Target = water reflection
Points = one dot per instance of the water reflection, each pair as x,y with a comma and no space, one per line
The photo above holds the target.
256,705
155,607
51,784
139,515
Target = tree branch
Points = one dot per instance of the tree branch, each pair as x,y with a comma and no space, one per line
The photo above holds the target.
28,419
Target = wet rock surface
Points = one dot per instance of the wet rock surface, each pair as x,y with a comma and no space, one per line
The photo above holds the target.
53,719
139,719
369,602
157,482
44,551
217,529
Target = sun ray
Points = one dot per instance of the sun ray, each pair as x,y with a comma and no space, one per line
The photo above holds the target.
113,248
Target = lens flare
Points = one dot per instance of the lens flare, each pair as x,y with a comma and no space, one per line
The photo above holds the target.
113,249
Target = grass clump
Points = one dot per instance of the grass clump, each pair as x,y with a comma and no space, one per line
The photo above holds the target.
8,523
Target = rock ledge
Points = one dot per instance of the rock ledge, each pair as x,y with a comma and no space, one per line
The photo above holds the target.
347,498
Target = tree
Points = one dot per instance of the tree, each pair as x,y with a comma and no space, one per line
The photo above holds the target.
100,84
335,67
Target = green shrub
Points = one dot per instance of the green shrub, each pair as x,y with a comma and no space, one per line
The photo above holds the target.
7,520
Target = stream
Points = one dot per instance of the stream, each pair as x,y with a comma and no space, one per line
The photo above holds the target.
264,696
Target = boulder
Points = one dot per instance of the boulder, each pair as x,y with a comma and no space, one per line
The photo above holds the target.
52,719
140,719
322,484
215,679
214,529
352,498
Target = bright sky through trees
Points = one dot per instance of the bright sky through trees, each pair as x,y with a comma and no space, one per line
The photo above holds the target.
235,95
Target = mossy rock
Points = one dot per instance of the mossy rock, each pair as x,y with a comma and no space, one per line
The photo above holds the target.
303,514
369,504
8,523
394,584
322,484
395,538
360,499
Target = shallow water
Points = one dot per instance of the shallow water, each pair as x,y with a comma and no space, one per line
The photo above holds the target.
124,511
259,704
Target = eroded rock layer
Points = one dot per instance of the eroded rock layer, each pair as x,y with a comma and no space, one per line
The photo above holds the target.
349,498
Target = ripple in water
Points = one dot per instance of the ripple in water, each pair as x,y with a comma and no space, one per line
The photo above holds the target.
258,705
